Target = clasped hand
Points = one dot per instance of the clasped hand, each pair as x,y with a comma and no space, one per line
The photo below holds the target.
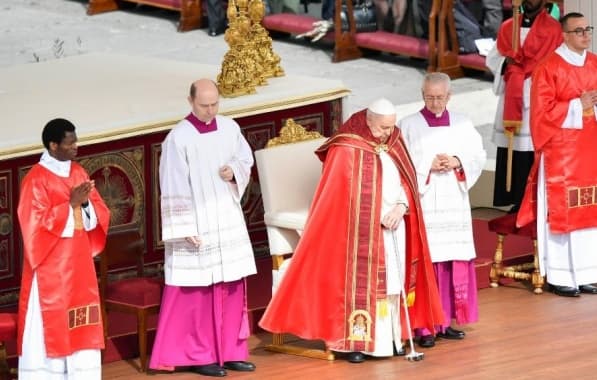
443,163
80,194
588,99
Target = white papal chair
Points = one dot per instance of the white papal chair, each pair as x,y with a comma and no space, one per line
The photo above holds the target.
289,172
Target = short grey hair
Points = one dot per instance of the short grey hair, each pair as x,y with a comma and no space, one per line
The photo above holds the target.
437,77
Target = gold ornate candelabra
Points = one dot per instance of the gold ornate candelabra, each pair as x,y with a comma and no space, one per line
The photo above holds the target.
250,59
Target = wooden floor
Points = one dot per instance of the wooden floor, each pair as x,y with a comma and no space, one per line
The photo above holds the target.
519,336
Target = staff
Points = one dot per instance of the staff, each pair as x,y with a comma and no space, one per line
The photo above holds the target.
510,131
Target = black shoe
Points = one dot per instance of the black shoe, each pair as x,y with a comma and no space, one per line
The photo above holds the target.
451,333
212,32
427,341
589,289
213,370
565,291
355,357
240,366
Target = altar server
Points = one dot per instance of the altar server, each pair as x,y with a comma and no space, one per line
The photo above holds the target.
205,168
448,155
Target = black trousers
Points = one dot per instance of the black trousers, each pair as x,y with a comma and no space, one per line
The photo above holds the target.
521,166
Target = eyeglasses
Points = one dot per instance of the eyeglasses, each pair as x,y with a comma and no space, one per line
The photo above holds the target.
438,99
581,32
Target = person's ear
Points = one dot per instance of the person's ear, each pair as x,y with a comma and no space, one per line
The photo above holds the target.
53,146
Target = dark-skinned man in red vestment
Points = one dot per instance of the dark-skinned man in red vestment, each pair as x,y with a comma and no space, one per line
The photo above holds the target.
64,223
538,35
561,196
364,244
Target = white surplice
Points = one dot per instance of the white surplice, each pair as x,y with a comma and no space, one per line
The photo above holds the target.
444,199
566,259
195,201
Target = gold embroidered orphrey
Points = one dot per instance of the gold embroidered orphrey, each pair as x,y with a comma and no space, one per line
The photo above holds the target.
83,316
359,325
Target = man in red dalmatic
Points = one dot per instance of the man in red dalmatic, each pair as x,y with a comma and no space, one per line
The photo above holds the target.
562,191
64,223
363,247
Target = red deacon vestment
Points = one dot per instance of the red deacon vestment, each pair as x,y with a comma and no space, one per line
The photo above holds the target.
338,266
570,175
67,282
544,37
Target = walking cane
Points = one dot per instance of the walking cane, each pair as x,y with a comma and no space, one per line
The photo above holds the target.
510,133
413,356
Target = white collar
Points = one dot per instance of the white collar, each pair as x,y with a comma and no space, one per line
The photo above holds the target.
570,56
60,168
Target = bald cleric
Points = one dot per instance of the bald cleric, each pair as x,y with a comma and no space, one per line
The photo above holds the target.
364,236
205,168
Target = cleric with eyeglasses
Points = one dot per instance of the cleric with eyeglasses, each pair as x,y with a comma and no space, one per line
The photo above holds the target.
561,196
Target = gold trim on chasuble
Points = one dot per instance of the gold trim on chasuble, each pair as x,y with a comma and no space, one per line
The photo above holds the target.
360,322
83,316
581,196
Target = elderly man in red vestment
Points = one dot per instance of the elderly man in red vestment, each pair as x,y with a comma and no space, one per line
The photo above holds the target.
64,223
363,247
562,191
512,61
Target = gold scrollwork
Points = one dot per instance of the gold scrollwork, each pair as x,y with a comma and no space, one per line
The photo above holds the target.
292,132
125,207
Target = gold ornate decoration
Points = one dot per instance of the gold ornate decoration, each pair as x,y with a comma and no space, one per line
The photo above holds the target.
119,179
381,148
262,42
359,326
238,75
292,132
250,59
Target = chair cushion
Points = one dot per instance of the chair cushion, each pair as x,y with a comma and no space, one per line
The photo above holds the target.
473,61
393,43
506,225
291,219
289,22
8,327
137,292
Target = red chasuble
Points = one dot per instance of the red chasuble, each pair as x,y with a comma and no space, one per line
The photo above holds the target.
544,37
568,154
338,266
66,277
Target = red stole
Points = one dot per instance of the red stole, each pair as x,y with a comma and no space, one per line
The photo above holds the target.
66,277
570,178
544,37
338,266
